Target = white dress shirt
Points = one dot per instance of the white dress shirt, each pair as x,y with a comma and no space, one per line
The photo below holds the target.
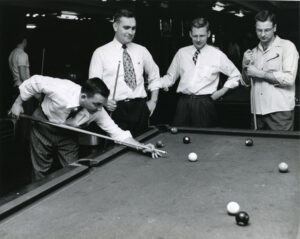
202,78
104,64
281,58
61,96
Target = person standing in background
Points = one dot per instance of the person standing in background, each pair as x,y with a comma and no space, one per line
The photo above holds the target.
272,68
122,65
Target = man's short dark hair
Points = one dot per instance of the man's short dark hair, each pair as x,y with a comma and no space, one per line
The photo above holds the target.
265,15
95,86
123,13
200,22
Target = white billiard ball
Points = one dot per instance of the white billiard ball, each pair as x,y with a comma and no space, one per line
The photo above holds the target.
193,157
233,208
283,167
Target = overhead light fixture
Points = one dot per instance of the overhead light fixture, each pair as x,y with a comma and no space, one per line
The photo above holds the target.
31,26
27,15
218,6
239,14
68,15
35,15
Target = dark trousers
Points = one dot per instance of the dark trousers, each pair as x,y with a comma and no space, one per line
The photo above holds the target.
195,111
49,142
132,115
283,121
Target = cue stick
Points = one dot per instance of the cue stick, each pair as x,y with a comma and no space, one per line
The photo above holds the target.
43,58
64,126
114,95
253,103
116,81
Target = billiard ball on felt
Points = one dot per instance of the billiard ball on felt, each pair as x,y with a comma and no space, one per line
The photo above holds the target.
283,167
193,157
242,218
159,144
233,208
186,139
249,142
174,130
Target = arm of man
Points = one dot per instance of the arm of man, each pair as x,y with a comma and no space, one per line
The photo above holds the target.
24,73
234,76
172,74
283,77
247,59
104,121
152,71
96,69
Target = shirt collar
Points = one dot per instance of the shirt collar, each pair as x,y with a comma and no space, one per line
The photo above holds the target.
118,45
203,48
275,43
74,98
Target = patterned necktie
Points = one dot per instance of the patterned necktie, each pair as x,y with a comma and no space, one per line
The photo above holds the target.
196,56
129,74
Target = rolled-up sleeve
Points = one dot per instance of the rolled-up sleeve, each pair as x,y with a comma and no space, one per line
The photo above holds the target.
173,72
35,85
229,69
152,71
104,121
290,57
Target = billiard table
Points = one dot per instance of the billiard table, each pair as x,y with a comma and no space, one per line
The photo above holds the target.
125,194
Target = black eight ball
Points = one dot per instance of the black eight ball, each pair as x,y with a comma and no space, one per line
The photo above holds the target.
159,144
249,142
242,218
186,140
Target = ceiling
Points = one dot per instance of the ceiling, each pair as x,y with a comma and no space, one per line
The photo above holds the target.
105,6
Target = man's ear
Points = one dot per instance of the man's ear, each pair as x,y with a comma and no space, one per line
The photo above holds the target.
275,27
115,26
208,34
83,96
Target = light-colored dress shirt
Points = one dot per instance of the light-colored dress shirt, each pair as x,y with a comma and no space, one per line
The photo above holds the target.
104,64
202,78
18,57
61,96
281,58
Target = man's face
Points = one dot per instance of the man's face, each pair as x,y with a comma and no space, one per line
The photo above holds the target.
125,29
93,103
265,31
199,36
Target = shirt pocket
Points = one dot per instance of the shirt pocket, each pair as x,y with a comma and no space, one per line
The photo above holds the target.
138,67
273,62
204,71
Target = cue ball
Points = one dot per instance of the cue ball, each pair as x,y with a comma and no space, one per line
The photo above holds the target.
242,218
283,167
233,208
249,142
159,144
174,130
186,139
193,157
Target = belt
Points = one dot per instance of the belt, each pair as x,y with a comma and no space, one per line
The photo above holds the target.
131,100
194,96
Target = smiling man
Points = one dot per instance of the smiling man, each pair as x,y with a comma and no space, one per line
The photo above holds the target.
122,65
198,66
272,66
65,103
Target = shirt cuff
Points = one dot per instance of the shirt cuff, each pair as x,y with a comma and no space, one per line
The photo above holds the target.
155,86
231,84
